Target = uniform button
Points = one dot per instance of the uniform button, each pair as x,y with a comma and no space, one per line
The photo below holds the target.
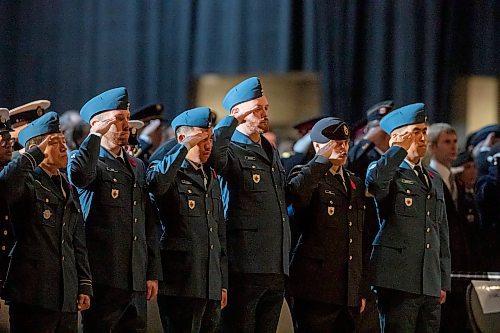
283,219
208,212
189,191
428,229
253,166
46,200
3,247
62,242
350,223
78,209
428,196
428,213
331,202
210,229
272,169
408,191
6,217
114,179
428,245
135,203
135,184
5,232
350,240
135,220
64,223
350,206
350,257
62,258
206,195
135,238
212,247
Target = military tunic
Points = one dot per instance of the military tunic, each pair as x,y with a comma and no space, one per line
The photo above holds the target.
50,238
330,248
193,241
411,251
7,239
119,218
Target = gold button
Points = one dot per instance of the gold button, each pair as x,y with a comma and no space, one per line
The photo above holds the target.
210,229
428,213
350,240
114,179
428,229
5,232
3,247
135,203
211,246
46,200
189,191
272,169
350,223
350,206
350,257
6,217
428,246
331,202
135,220
428,196
408,191
135,238
253,166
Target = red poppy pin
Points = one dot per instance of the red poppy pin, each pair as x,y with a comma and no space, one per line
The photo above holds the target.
430,174
214,173
353,185
132,162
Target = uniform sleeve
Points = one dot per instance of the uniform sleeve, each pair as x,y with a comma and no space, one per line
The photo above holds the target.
81,258
381,172
14,174
223,245
82,165
303,180
161,174
444,252
222,137
154,270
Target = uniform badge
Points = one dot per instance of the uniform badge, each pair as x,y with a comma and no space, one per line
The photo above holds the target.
47,214
408,202
470,218
115,193
346,130
191,204
256,178
331,210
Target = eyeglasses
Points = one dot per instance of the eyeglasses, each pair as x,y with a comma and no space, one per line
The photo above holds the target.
7,141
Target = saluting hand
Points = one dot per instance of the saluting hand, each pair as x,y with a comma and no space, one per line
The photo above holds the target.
192,140
48,141
83,302
240,115
403,140
326,150
102,126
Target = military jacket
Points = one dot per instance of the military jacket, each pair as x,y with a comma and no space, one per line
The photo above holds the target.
327,265
7,239
193,242
120,221
49,265
253,190
411,251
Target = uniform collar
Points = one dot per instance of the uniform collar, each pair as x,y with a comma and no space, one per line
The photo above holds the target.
242,138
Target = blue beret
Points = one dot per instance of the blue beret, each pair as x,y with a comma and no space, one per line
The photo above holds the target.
243,92
406,115
46,124
329,128
483,133
379,110
114,99
198,117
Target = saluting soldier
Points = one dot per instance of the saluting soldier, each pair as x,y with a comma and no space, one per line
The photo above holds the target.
258,232
120,220
6,232
49,276
411,254
188,196
326,279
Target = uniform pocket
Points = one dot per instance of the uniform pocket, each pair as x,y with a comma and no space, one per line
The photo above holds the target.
46,206
405,204
191,202
253,176
113,190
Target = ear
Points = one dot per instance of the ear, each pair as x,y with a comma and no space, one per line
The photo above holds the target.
180,137
234,111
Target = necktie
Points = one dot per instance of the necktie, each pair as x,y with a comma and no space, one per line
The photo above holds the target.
338,176
121,160
205,178
59,184
421,175
453,187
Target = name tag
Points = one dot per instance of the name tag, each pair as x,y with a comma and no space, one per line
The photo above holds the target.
186,182
329,192
111,169
250,158
407,181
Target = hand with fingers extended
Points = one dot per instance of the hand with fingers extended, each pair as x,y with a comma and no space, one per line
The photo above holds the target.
193,139
49,140
326,150
240,115
403,140
102,126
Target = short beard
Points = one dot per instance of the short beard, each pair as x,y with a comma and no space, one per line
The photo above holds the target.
117,138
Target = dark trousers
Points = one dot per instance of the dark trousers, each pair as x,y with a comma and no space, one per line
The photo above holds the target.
405,312
254,303
319,317
186,315
115,310
27,318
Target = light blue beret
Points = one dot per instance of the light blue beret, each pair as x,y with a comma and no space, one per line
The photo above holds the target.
113,99
406,115
46,124
243,92
198,117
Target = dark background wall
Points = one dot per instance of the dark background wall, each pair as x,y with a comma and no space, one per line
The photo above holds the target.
365,51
